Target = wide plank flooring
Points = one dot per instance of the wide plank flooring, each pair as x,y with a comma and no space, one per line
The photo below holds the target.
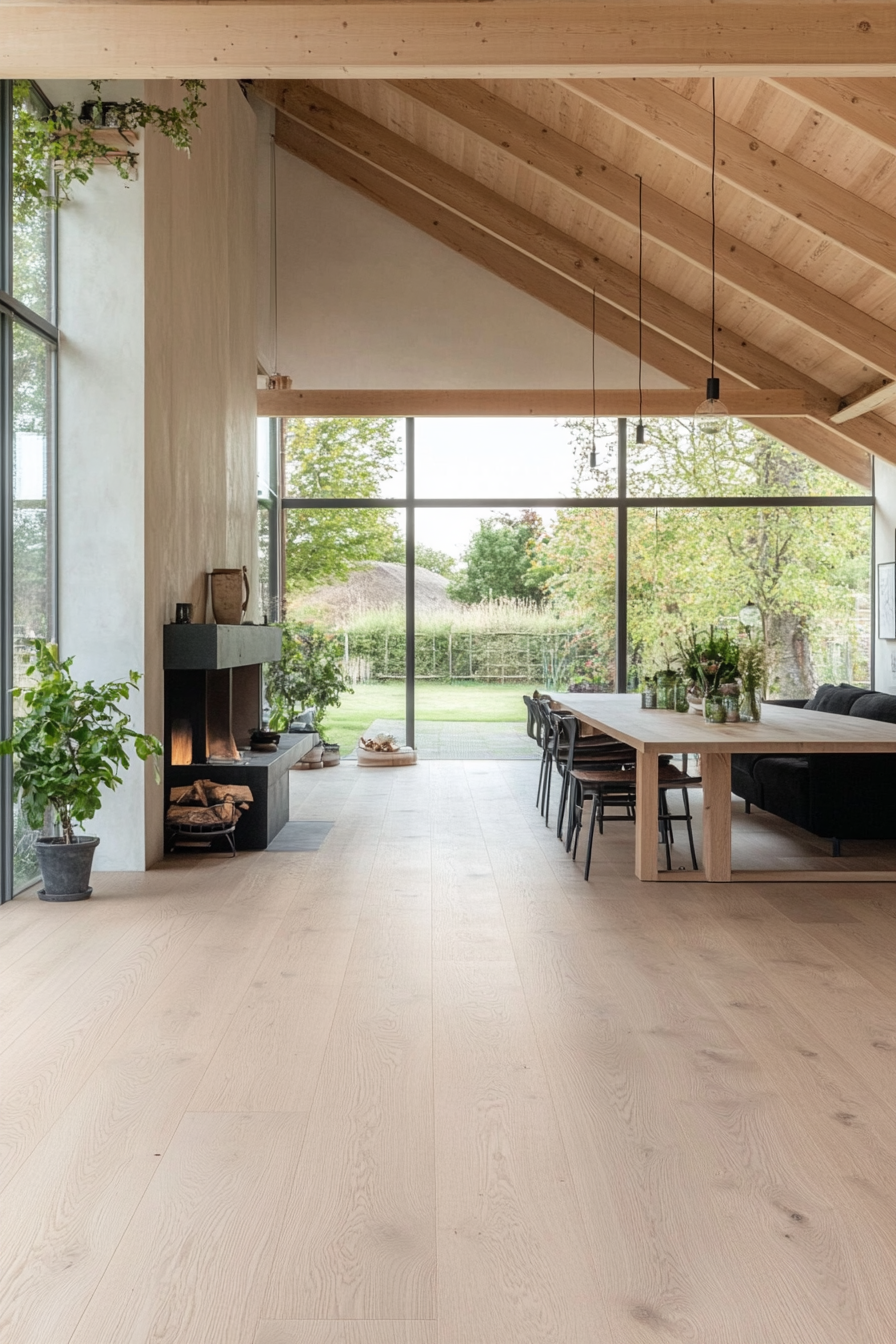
427,1086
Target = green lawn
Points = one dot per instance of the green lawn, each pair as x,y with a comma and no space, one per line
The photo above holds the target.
470,702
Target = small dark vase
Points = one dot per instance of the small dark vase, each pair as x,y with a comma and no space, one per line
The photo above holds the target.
64,868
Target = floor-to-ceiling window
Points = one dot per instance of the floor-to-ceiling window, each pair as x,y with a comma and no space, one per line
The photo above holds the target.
28,346
545,553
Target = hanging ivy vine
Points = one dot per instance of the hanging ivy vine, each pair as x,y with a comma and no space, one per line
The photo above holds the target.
66,139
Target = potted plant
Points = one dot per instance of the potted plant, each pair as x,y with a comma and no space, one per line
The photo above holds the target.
68,745
309,676
752,677
710,660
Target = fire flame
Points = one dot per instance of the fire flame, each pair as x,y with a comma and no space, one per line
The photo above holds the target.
181,742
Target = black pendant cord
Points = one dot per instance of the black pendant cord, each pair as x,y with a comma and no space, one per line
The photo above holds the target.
593,377
640,296
712,202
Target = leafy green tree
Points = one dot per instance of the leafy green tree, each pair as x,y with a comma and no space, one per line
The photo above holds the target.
437,562
338,458
505,558
426,557
696,567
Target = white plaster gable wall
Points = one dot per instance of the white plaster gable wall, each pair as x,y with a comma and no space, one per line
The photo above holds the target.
366,300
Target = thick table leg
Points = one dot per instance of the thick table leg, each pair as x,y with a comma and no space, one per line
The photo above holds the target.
715,767
647,804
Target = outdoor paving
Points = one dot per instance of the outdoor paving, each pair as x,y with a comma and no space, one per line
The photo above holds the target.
463,741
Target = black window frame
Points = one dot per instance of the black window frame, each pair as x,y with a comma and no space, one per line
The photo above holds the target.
622,503
13,313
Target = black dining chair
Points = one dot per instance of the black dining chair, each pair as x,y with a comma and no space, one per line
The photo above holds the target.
608,788
574,750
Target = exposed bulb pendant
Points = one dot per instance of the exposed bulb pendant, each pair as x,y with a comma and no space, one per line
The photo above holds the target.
712,412
277,381
593,457
640,432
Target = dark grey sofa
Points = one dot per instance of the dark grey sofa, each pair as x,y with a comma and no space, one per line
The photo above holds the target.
844,797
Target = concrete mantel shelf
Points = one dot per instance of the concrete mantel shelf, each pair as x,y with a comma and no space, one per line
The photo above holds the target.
210,647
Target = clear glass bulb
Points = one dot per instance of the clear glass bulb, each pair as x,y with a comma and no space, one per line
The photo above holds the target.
712,412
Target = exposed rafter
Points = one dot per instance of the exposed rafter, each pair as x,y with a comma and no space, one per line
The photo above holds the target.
868,398
866,105
535,38
747,163
676,340
844,454
615,192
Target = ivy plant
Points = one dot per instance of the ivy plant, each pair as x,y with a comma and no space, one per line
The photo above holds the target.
61,139
71,741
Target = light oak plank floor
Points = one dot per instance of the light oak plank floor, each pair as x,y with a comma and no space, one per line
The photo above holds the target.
427,1086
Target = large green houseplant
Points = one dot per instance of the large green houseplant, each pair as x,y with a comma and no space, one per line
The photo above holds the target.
310,675
69,745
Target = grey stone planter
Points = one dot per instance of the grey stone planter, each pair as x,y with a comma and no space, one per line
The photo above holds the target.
64,868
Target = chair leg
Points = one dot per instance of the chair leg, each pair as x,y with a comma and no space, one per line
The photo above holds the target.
578,811
576,798
561,806
665,830
687,822
594,813
542,771
547,793
835,848
747,807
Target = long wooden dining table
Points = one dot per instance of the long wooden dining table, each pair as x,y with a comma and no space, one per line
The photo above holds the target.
782,731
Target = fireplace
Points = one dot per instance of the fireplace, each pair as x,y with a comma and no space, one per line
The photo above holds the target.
213,701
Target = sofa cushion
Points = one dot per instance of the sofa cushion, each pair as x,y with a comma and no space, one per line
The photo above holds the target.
875,705
784,782
836,699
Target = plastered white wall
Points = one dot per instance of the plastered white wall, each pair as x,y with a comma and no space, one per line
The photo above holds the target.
101,464
366,300
885,550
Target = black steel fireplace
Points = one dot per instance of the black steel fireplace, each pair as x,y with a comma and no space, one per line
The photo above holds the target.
213,701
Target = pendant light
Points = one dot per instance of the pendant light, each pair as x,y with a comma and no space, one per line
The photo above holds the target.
593,457
277,382
710,413
640,435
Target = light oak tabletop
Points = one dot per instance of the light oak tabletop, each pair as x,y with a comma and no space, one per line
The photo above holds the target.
781,730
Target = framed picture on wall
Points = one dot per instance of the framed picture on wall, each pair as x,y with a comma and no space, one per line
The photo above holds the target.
886,601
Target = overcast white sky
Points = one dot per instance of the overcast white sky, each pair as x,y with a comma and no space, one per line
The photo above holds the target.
478,458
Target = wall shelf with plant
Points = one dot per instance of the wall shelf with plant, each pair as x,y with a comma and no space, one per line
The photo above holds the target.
76,141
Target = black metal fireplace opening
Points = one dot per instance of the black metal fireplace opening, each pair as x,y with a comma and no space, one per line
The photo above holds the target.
213,701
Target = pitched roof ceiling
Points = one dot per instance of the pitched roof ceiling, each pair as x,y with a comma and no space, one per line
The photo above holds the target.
537,180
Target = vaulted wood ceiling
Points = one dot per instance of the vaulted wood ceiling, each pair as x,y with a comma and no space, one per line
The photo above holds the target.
537,180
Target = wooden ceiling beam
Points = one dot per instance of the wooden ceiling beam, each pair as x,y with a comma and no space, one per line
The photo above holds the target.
868,398
866,105
306,104
745,162
614,284
615,192
546,286
678,404
453,40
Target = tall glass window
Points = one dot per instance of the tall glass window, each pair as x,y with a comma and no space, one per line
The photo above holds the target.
558,554
28,346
